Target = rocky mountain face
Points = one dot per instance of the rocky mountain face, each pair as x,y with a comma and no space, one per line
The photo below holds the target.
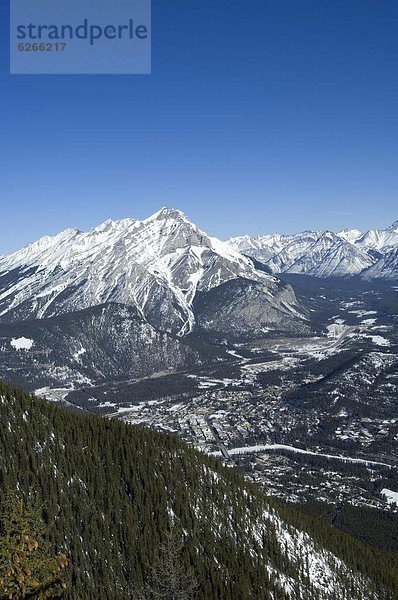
243,309
144,286
385,268
326,254
381,240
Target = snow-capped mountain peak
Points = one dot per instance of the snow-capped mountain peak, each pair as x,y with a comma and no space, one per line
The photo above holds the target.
167,213
350,235
324,253
318,253
158,265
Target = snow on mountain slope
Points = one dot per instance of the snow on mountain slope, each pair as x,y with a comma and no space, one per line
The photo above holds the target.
321,254
156,265
379,239
385,268
325,254
318,253
261,247
349,235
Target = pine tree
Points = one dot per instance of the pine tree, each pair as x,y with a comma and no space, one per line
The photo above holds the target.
27,570
171,578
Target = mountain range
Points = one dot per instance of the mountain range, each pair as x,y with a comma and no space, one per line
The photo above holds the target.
130,298
370,255
159,266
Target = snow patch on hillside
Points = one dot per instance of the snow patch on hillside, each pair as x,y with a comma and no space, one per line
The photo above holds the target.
379,340
22,343
336,330
392,497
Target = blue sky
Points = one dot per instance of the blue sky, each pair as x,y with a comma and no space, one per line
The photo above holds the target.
259,116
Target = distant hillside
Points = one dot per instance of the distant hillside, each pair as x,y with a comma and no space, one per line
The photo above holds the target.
111,491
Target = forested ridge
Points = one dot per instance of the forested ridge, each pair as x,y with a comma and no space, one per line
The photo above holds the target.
110,492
